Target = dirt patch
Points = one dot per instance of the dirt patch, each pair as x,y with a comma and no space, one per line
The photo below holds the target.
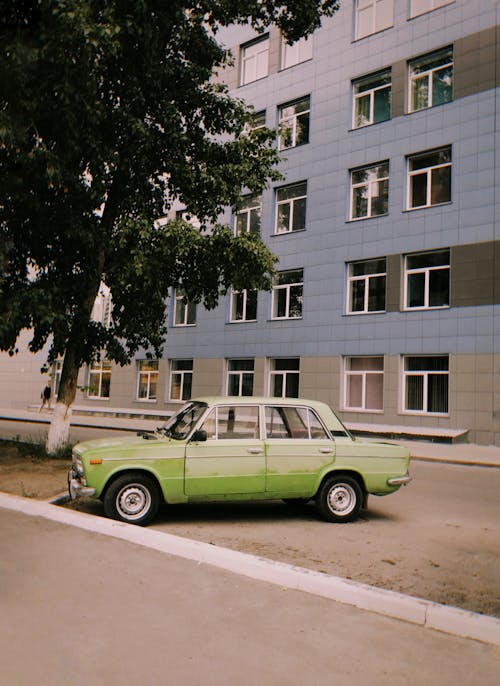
30,475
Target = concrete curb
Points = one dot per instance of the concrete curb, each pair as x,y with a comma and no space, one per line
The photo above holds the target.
425,613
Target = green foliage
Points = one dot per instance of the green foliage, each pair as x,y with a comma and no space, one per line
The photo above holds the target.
109,113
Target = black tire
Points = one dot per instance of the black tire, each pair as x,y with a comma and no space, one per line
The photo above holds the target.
340,499
296,501
132,498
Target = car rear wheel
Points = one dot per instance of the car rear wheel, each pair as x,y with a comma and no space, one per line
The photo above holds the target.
340,499
132,498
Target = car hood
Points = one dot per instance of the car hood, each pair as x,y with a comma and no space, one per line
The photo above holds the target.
126,442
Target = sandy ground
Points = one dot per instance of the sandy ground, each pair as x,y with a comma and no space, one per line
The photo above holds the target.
429,543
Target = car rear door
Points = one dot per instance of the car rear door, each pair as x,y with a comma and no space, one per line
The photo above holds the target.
297,448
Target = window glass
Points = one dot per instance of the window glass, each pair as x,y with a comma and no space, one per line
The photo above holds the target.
428,280
291,208
426,382
366,286
422,6
233,422
373,16
431,80
429,178
243,306
240,377
364,383
254,60
287,295
370,191
293,422
147,379
300,51
372,99
284,377
181,379
294,124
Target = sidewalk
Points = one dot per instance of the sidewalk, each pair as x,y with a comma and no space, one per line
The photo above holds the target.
80,606
453,453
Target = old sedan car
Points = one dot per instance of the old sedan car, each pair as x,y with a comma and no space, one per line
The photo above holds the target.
244,448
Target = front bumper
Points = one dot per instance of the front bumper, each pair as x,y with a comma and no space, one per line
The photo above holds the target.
399,480
76,488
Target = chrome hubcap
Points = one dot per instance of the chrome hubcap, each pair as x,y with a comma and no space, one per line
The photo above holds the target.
133,500
341,499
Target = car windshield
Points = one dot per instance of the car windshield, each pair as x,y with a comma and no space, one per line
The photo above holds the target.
181,424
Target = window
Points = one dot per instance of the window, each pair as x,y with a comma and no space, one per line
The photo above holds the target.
258,120
371,99
103,306
293,422
284,377
370,191
247,218
184,310
287,295
147,379
427,280
366,286
430,80
181,379
429,178
254,60
243,306
422,6
99,379
240,377
373,16
232,422
291,208
294,124
300,51
364,383
425,384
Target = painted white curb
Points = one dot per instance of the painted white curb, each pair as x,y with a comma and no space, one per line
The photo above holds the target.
431,615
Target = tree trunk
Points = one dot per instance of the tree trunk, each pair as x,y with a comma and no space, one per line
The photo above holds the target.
58,436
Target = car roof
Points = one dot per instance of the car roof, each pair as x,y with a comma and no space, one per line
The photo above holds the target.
257,400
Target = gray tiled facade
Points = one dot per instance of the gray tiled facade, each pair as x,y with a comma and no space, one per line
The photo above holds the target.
468,331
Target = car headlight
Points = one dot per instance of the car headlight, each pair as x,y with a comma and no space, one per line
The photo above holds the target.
77,464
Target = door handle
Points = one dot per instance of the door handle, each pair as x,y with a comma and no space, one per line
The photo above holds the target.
254,451
326,451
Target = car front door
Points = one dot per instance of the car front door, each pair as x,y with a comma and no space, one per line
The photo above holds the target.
232,459
297,449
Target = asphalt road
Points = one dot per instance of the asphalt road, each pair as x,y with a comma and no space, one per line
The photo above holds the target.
436,538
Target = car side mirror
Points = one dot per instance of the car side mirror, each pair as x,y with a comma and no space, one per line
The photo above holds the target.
200,435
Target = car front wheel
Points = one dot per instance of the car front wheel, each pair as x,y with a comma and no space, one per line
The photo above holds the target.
132,498
340,499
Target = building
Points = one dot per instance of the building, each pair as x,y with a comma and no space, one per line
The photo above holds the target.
387,300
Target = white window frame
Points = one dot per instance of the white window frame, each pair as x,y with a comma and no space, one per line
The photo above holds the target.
291,202
300,51
426,6
351,279
425,374
287,288
370,92
182,373
426,271
149,376
239,374
245,318
187,308
364,374
254,60
254,205
377,23
428,74
284,373
372,185
293,120
99,369
428,171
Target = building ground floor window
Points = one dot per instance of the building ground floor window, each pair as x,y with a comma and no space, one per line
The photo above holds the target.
284,377
426,384
364,383
240,377
99,379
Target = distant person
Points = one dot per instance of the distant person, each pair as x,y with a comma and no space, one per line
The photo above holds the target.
45,396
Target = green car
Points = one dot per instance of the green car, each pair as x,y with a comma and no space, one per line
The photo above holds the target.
241,448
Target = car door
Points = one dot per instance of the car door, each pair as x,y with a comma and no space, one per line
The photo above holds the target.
297,449
232,459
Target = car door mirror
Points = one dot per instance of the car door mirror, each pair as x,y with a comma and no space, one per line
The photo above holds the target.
199,436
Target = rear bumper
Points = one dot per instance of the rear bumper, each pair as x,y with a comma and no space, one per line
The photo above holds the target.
399,480
76,488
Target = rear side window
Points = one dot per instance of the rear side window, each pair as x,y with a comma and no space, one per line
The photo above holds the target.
232,421
293,422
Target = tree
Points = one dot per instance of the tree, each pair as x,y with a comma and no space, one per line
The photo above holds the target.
109,112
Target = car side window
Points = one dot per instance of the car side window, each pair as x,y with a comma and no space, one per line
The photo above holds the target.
230,422
293,422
